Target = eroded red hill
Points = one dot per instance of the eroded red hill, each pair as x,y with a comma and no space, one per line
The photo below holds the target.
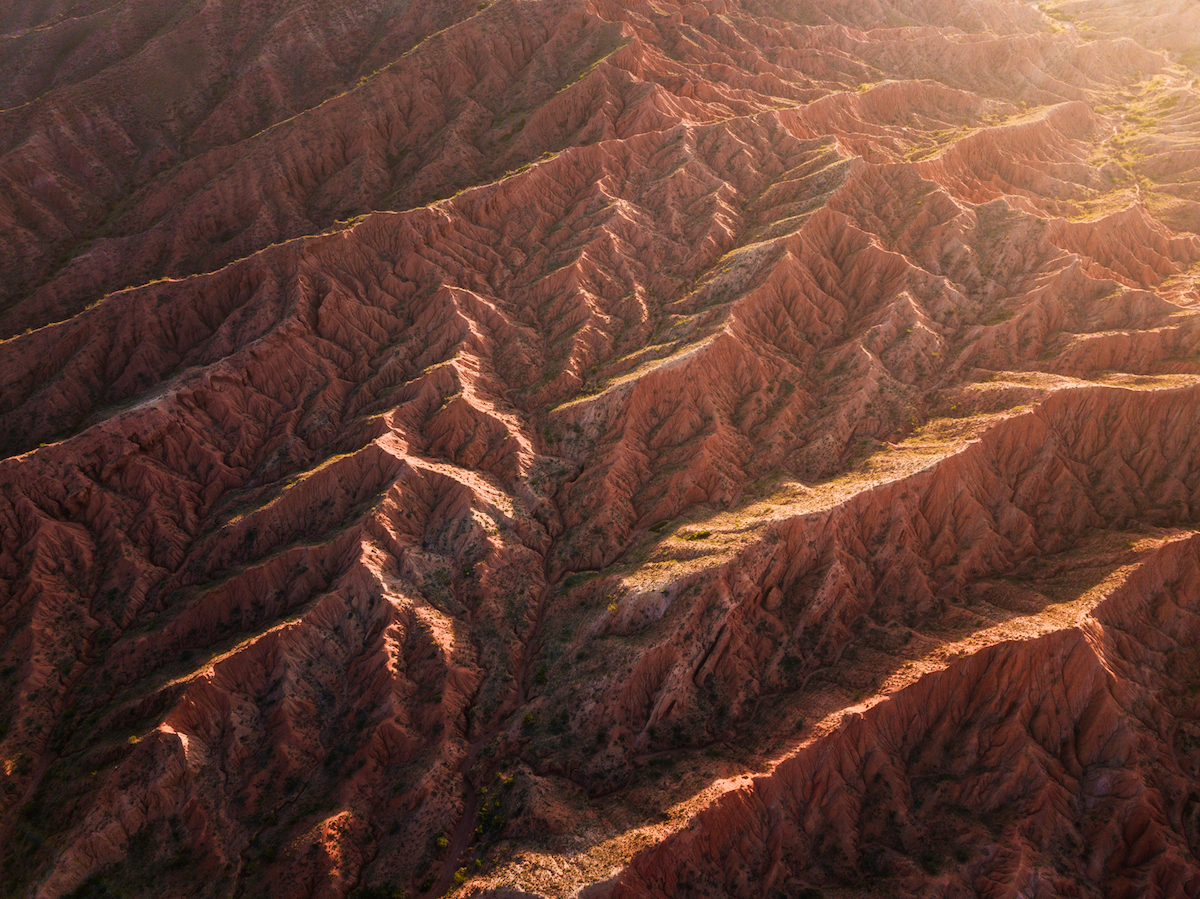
714,449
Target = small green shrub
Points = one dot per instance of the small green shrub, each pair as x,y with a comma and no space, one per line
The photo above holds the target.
930,862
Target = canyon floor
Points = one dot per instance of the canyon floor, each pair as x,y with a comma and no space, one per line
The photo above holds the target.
599,448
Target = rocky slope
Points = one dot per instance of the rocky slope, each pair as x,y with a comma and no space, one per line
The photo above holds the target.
570,447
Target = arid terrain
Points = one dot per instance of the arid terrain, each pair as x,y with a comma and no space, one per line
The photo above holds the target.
599,448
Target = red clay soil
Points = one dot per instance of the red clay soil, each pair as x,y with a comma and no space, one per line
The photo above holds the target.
554,448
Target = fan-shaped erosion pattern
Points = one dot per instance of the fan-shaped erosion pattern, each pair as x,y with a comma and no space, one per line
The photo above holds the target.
609,449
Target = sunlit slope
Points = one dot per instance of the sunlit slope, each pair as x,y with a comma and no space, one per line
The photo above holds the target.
455,448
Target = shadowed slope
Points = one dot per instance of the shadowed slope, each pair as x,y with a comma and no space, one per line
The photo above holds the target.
454,446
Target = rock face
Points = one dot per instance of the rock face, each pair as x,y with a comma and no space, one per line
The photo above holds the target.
572,447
